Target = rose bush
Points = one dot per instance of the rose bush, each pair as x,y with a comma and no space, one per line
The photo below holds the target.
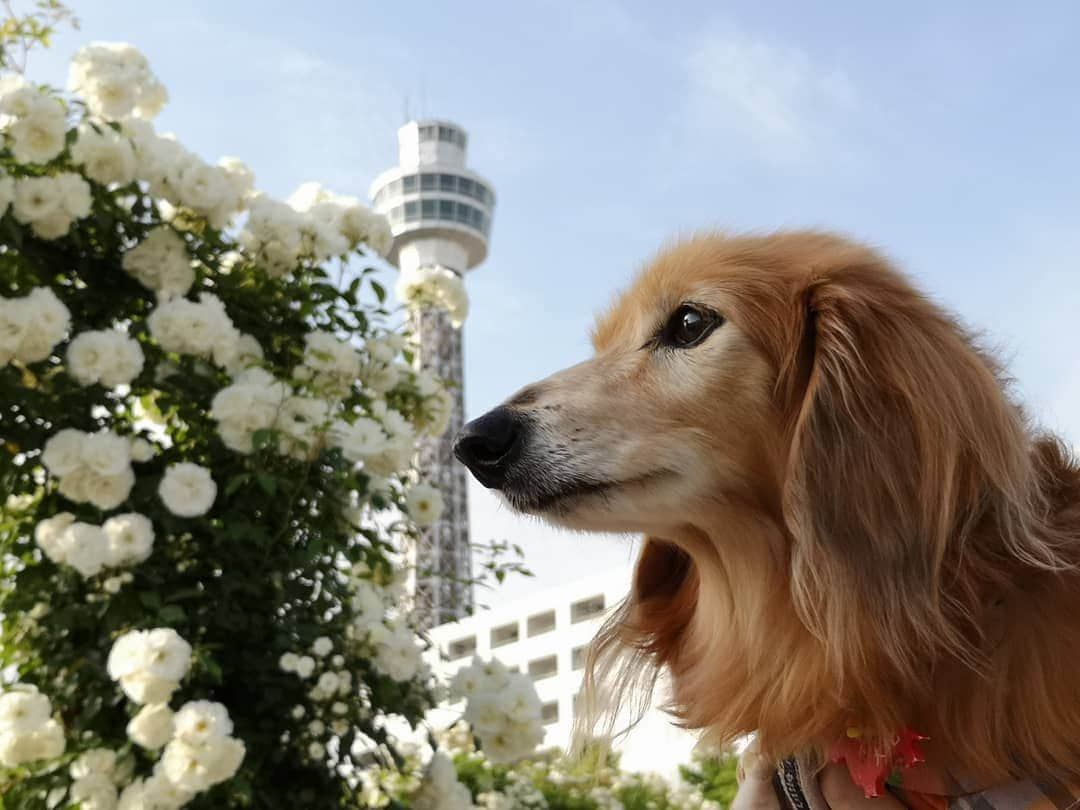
207,428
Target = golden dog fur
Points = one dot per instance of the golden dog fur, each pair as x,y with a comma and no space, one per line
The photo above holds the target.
848,520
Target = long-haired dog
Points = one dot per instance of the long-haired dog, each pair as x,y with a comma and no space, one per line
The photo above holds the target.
849,524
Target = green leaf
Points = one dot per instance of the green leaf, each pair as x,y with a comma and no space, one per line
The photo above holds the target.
379,290
267,482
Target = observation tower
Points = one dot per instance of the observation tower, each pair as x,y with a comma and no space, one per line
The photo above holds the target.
440,215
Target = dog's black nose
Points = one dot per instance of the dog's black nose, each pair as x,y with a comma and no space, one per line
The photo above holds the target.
488,445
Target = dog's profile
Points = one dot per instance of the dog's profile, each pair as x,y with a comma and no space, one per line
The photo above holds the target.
849,523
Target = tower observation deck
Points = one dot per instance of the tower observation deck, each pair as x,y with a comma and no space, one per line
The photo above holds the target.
440,215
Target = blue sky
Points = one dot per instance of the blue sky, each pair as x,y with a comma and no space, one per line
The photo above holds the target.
948,136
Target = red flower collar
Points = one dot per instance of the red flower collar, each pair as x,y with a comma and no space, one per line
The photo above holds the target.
869,765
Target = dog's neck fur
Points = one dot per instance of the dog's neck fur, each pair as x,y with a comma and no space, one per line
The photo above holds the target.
746,661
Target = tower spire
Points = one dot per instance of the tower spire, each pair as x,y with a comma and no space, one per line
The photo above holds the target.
440,215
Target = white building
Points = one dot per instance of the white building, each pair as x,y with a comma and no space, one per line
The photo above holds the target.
546,635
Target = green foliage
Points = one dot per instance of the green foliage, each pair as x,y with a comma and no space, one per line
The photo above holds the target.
21,34
714,777
592,781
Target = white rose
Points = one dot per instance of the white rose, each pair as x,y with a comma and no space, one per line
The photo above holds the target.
63,451
396,653
288,662
187,490
47,742
322,646
152,727
361,439
105,453
83,547
105,155
107,357
160,262
95,761
328,683
130,539
424,504
106,492
142,688
46,323
76,198
37,136
305,666
141,450
199,720
24,711
36,198
48,532
94,792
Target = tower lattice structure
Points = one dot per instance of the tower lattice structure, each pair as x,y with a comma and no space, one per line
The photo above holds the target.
440,216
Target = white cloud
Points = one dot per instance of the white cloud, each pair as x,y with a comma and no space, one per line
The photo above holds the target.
767,97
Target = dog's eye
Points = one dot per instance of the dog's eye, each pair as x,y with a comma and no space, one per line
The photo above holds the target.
688,326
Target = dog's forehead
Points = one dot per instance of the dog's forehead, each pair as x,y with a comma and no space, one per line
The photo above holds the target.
676,275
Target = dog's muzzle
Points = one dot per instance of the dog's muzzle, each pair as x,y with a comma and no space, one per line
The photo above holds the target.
490,444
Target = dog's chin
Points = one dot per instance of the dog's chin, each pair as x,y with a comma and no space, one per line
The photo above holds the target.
587,505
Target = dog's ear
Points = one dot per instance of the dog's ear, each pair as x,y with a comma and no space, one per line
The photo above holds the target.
901,440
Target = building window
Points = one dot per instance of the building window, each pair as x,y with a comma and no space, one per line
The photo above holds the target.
408,183
546,667
463,213
412,211
587,608
396,215
549,713
427,209
465,186
446,209
507,634
427,133
427,182
577,657
462,647
541,623
447,182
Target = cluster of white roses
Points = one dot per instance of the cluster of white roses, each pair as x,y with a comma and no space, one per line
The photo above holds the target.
115,81
28,731
313,226
34,124
31,326
201,328
107,357
96,775
149,664
160,262
49,204
121,541
441,789
519,794
92,467
328,712
502,708
434,286
309,416
199,752
396,652
105,155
